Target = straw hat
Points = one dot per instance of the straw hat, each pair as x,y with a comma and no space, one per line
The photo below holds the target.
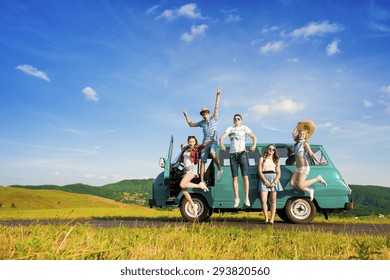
204,109
308,126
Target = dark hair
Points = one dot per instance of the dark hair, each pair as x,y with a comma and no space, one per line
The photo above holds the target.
275,157
237,115
196,140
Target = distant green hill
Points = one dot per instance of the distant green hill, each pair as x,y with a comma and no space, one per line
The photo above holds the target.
369,200
126,191
42,199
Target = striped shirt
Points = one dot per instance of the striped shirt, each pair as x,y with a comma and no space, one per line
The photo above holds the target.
209,128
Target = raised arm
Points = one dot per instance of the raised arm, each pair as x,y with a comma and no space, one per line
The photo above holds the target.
217,104
190,123
312,155
295,132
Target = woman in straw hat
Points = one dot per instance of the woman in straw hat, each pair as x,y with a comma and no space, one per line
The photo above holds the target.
301,135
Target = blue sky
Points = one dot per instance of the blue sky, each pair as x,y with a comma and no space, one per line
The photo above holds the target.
92,90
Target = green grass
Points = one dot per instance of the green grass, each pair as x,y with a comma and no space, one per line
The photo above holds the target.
184,242
53,204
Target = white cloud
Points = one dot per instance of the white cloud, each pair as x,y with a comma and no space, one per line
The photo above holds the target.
316,29
334,129
90,94
272,47
333,48
367,103
187,10
293,60
386,89
32,71
152,9
167,14
269,29
195,32
231,16
288,107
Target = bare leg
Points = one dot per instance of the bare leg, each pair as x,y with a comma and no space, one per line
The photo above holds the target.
216,160
235,187
202,167
264,206
246,189
298,181
273,206
303,184
186,184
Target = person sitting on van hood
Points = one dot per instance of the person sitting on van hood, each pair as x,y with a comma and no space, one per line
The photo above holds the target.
190,158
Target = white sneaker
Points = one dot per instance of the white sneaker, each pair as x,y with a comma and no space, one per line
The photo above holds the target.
247,202
322,181
219,174
203,187
236,202
311,195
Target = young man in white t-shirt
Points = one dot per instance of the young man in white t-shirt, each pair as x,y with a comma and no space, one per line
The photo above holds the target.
238,155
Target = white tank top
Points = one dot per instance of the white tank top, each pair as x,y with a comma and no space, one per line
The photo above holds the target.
187,159
269,165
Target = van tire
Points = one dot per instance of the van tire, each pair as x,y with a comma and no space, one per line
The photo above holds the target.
300,210
283,215
203,208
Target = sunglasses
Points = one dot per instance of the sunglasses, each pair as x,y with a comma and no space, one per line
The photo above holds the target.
237,119
271,149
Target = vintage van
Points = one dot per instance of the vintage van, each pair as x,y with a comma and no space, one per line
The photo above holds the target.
292,205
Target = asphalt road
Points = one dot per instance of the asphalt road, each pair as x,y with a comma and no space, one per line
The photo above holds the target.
372,229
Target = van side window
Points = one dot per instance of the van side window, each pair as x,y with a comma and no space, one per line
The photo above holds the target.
253,157
318,152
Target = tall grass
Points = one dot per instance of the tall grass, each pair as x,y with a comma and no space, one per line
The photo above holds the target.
184,242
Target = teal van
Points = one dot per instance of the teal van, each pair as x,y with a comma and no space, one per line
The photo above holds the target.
292,205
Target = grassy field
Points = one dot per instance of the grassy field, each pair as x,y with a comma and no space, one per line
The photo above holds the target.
185,242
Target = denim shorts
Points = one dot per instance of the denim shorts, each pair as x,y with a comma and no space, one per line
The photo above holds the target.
239,159
204,153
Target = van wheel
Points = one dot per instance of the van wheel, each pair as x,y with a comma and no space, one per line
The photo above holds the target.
203,209
283,215
300,210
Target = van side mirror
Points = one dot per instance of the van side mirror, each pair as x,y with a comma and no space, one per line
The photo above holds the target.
162,162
